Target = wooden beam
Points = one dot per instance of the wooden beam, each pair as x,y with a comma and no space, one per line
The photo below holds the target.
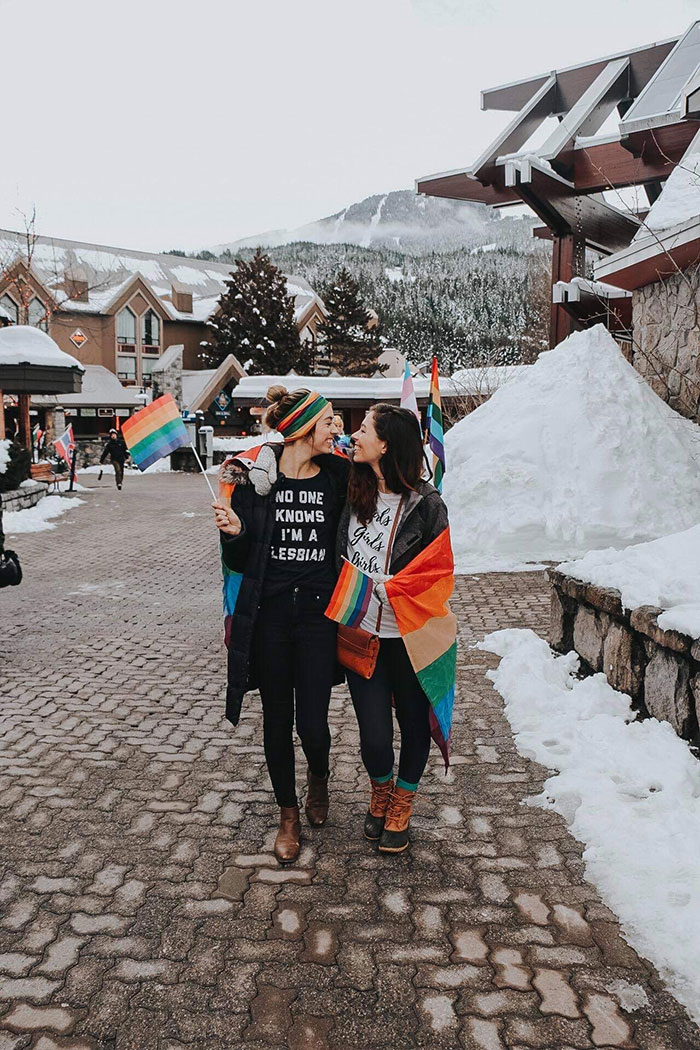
592,109
519,130
459,186
25,430
568,260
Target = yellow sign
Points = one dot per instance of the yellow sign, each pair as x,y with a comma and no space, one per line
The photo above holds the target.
78,338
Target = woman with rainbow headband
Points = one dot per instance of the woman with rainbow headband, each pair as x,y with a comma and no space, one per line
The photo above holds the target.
277,514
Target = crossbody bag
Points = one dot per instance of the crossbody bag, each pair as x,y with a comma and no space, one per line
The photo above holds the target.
358,649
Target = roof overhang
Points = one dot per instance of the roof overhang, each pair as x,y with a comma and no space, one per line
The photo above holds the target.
229,369
653,257
40,379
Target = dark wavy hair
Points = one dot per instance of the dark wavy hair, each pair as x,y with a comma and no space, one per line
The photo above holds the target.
401,465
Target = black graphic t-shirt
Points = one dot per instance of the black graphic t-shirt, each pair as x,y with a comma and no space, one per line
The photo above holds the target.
303,535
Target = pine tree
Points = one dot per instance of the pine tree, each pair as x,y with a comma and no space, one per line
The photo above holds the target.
255,321
351,347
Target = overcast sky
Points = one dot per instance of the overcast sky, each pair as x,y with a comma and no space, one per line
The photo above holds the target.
157,123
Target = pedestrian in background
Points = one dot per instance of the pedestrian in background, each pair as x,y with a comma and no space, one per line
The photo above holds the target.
117,451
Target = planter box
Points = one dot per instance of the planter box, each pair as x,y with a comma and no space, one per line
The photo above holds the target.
659,670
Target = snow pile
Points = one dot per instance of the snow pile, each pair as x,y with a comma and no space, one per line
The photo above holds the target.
664,573
238,444
4,454
630,792
575,453
679,201
38,518
23,344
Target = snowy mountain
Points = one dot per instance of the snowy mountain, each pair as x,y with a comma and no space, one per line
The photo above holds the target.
399,220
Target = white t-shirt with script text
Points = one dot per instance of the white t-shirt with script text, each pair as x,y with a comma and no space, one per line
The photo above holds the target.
367,547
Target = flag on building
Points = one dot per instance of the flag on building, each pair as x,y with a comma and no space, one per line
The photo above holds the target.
65,444
408,394
351,597
155,431
436,438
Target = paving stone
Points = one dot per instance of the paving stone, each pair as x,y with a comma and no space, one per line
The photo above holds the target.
139,887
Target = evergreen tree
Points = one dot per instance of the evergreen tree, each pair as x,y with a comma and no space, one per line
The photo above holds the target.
351,347
255,321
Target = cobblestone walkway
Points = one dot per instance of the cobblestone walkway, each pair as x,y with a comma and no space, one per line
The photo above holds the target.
141,907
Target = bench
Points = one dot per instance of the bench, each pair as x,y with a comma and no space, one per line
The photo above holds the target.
45,472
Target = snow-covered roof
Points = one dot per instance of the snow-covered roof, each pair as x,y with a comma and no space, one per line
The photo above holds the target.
101,389
679,200
108,271
23,344
194,382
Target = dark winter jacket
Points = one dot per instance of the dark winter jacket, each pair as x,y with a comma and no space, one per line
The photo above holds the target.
423,518
115,449
248,553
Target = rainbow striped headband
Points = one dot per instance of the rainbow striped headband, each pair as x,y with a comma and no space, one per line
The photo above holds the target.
303,417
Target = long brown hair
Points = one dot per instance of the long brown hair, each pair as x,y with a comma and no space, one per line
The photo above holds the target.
401,465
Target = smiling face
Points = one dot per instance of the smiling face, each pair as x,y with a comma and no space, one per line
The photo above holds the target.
322,434
369,447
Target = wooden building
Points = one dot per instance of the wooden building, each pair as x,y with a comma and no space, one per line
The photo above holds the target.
607,125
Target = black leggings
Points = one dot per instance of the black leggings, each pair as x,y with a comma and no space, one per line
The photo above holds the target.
294,649
393,677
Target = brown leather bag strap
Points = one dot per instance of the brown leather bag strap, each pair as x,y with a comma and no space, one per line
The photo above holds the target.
389,546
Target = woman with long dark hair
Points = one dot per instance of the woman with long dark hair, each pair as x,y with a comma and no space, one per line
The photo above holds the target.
278,533
390,516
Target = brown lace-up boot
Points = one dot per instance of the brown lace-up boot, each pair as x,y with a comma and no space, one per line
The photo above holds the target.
374,821
398,815
316,799
287,841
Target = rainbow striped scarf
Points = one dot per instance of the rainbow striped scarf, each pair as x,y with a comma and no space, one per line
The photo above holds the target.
419,596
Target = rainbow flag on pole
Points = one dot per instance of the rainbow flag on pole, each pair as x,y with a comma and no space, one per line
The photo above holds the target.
155,431
436,437
408,394
351,596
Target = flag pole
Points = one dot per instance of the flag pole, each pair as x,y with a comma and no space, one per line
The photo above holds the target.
201,467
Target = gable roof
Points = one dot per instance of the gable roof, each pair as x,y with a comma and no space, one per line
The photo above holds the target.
108,271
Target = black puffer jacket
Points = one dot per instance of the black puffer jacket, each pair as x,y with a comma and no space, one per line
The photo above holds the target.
248,554
115,449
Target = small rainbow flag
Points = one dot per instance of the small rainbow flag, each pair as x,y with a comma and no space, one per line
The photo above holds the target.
351,596
436,438
155,431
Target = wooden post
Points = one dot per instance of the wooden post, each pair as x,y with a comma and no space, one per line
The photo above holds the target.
2,417
568,260
25,430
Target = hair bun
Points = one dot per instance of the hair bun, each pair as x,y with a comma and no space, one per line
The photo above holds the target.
275,393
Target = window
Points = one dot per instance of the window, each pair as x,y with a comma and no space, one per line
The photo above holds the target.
36,315
9,309
126,327
147,364
126,368
150,332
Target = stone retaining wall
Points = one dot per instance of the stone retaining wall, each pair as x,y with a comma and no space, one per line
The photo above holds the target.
660,670
20,499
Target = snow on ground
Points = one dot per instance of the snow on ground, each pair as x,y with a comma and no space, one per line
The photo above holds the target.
40,517
664,572
161,466
629,790
575,453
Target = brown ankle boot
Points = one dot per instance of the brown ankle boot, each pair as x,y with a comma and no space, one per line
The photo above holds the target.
316,799
398,816
287,841
379,800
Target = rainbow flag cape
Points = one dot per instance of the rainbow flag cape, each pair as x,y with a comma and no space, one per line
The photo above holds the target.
408,394
436,438
351,596
154,431
419,596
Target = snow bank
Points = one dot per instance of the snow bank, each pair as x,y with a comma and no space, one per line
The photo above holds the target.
630,792
679,201
664,572
575,453
22,343
4,454
38,518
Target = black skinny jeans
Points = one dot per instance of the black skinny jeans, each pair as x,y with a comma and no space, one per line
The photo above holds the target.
393,677
294,647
